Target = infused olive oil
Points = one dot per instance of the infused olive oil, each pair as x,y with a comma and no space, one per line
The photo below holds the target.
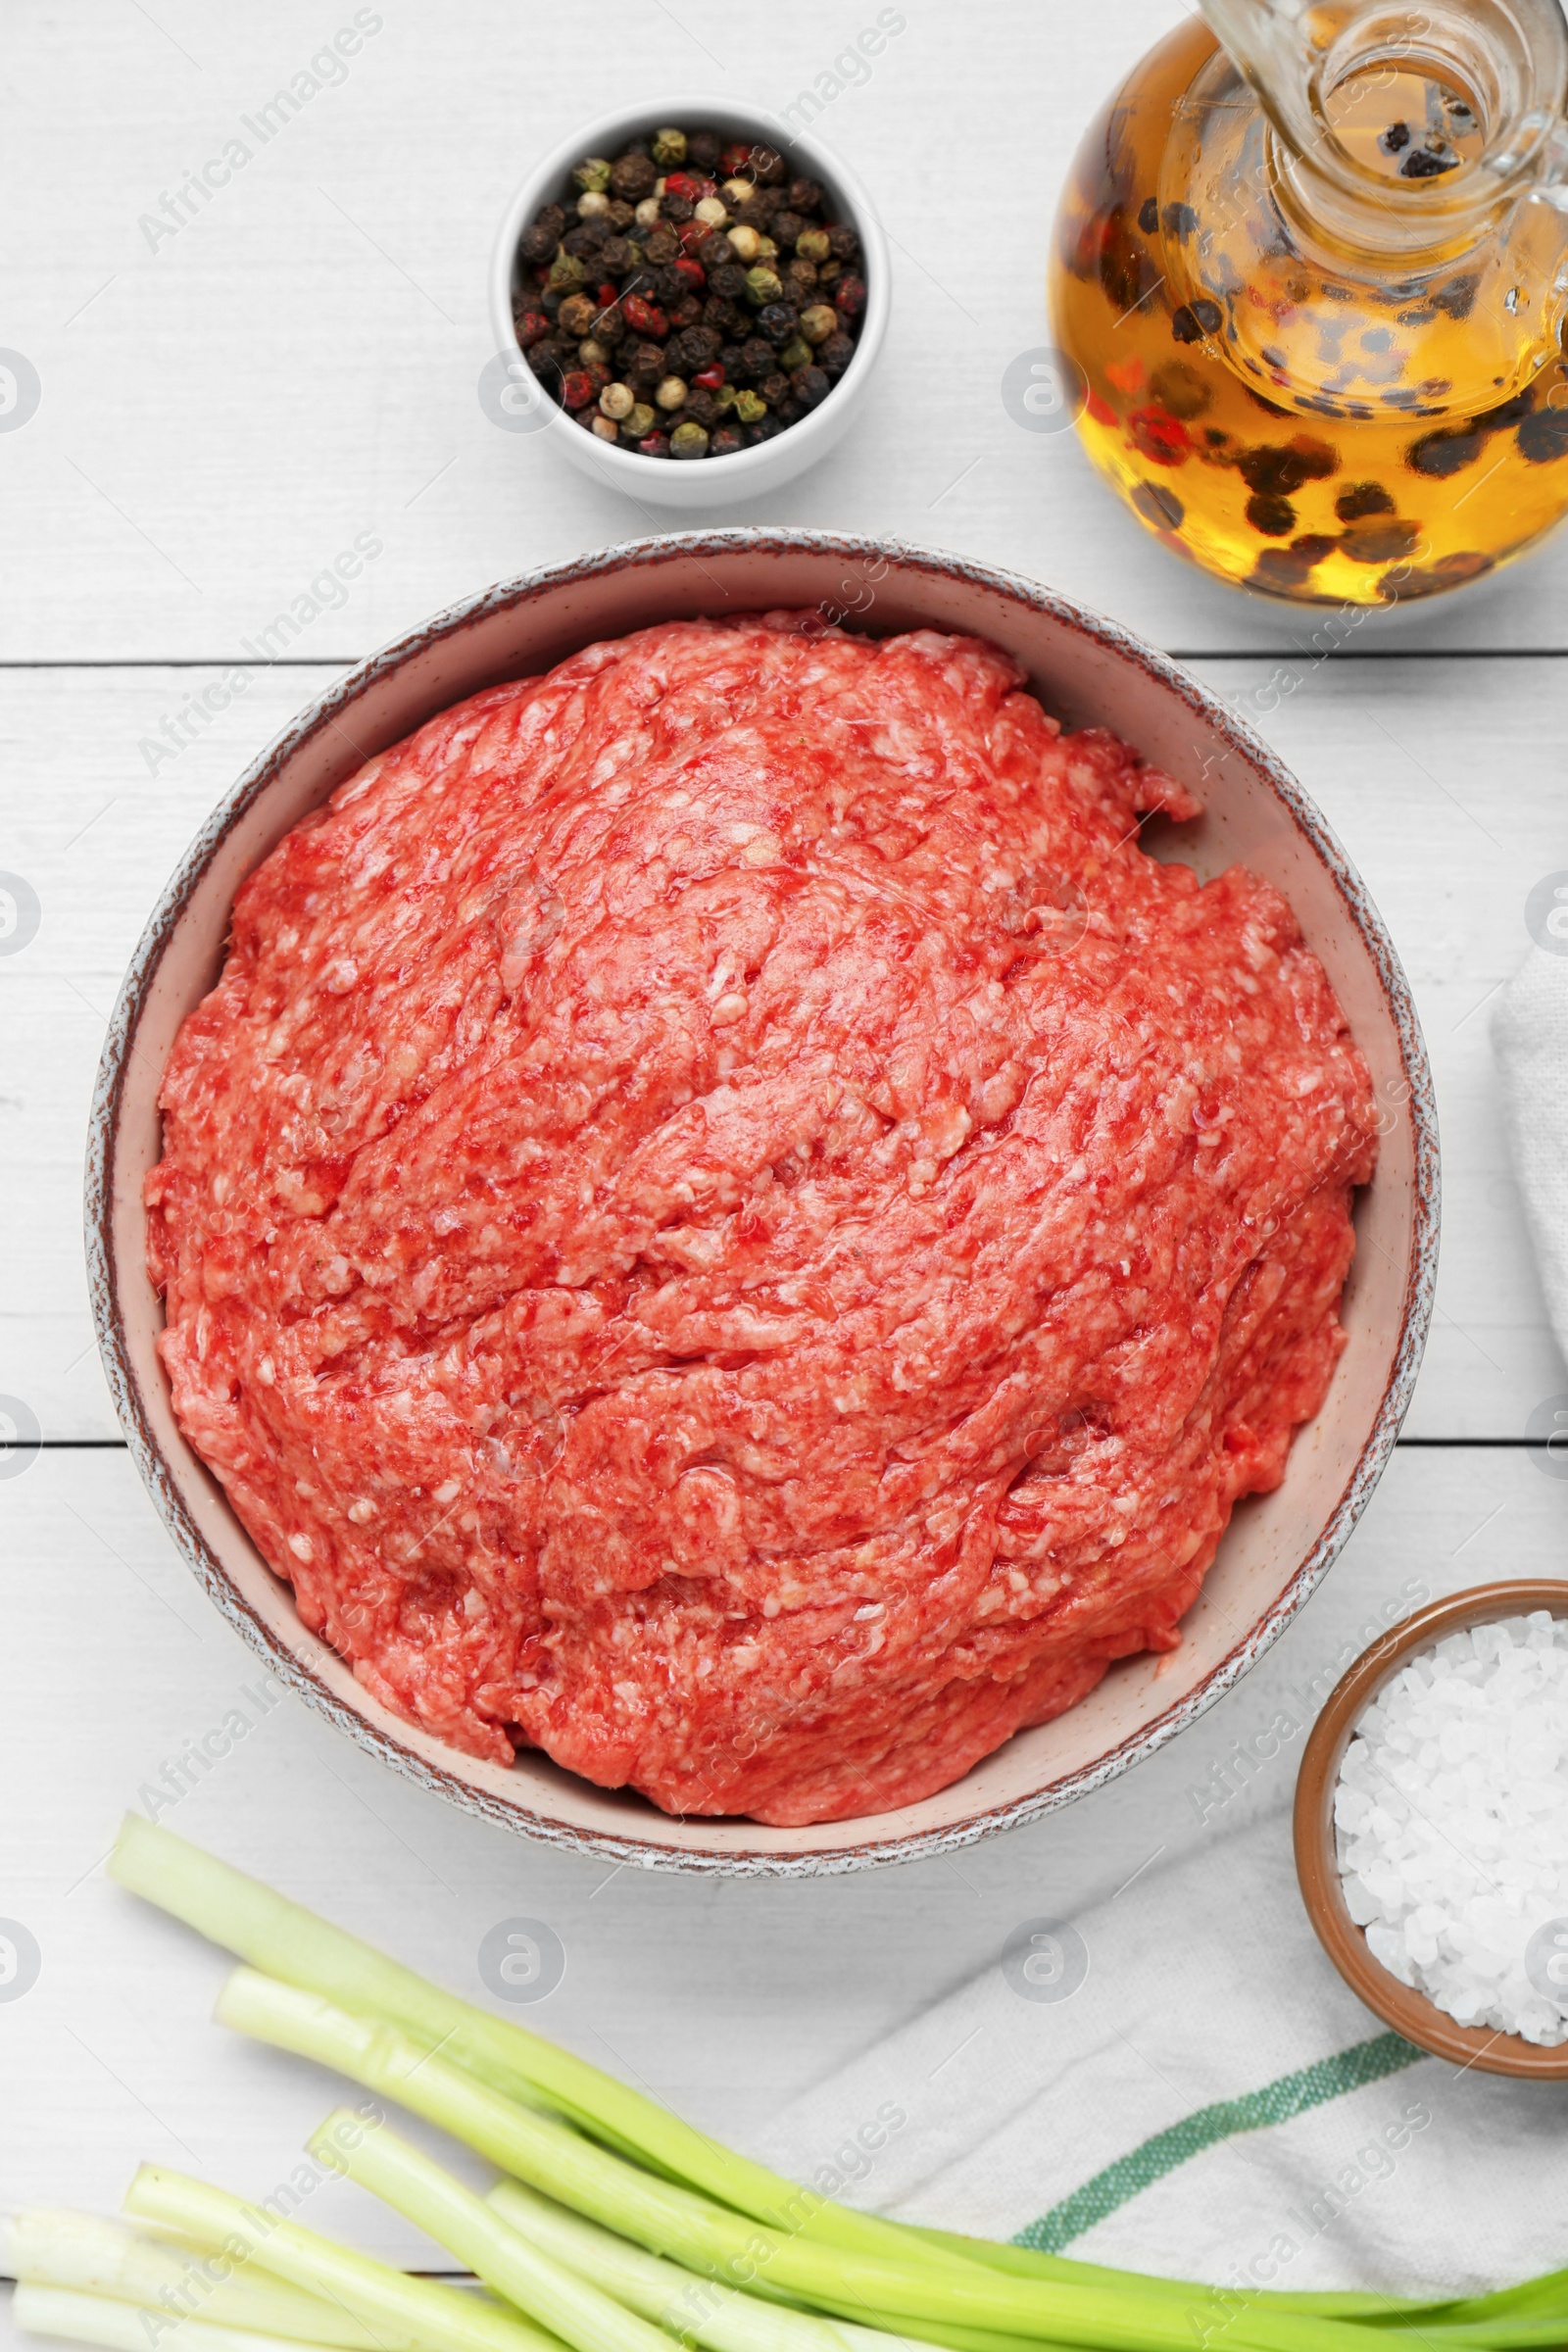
1317,310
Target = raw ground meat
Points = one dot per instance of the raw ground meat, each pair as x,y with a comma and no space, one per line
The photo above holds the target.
725,1221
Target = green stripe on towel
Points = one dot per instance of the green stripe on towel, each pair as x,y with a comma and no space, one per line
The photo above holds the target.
1276,2103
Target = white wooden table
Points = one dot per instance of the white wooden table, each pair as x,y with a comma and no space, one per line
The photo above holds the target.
222,411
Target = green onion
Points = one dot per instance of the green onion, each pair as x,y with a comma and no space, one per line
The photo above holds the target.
1029,2263
288,1941
678,2300
52,2246
550,2157
419,2313
537,2147
553,2121
86,2319
583,2316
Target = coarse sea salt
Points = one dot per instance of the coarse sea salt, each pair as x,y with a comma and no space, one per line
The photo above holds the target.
1451,1825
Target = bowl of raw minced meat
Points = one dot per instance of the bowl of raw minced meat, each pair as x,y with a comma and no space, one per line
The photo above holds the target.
764,1202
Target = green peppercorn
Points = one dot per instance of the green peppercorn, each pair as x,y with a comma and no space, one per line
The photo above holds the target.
761,286
565,270
749,408
726,396
669,148
794,354
639,421
819,322
593,173
811,245
688,440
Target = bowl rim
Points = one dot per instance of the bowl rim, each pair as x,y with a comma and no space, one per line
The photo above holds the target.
324,713
627,469
1411,2013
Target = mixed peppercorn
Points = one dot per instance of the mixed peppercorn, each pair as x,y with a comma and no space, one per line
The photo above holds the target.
688,297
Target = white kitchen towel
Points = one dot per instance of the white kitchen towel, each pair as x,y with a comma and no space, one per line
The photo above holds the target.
1178,2082
1530,1031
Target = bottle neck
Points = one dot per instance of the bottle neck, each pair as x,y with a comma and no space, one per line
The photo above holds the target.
1401,138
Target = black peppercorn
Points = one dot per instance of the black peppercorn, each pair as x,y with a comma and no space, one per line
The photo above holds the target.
632,176
845,243
614,257
1191,322
701,403
620,216
686,352
800,282
646,366
786,225
756,360
1359,499
1273,517
660,245
583,241
779,321
833,353
703,151
774,387
725,441
677,208
686,312
1444,453
804,196
538,243
811,384
730,281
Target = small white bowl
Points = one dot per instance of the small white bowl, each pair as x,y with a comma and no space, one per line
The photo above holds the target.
693,483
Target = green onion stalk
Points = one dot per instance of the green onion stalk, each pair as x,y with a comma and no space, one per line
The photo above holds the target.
419,2314
561,2127
175,2283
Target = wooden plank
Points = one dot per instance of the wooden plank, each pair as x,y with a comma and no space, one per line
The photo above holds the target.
297,364
113,1663
1440,778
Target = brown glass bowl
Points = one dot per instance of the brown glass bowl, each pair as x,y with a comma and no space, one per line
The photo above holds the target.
1407,2011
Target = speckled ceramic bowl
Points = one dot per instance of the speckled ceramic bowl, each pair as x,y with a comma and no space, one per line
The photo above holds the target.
1087,670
